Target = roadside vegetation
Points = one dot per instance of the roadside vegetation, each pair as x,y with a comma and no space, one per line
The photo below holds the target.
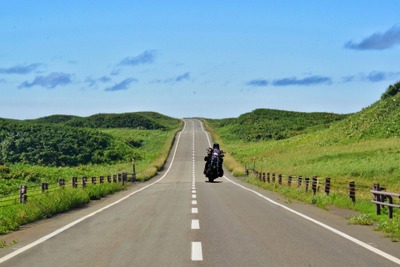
363,147
46,149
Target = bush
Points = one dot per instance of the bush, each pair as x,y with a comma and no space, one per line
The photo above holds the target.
391,91
53,145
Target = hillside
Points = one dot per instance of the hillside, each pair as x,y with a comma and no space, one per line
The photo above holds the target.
380,120
52,145
58,118
131,120
267,124
363,147
63,140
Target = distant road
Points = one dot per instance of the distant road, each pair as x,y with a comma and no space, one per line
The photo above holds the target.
179,219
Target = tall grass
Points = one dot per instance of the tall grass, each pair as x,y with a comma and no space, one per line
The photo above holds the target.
49,203
365,162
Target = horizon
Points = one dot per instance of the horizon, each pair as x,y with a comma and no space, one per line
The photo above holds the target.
210,60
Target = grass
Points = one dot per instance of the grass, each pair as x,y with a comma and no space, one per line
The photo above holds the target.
149,158
365,161
49,203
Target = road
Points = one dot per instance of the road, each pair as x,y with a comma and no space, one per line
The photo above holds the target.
179,219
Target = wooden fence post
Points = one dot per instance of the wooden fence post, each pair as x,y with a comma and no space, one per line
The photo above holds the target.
352,191
74,182
299,180
134,172
327,186
23,194
314,185
45,186
377,198
307,180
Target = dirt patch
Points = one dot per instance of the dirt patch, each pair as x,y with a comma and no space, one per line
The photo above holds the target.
344,213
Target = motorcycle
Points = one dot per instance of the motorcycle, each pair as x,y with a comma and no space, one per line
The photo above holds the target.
214,167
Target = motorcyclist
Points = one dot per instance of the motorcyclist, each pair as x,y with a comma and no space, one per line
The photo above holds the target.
215,150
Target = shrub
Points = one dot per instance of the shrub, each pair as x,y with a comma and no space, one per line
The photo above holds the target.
391,91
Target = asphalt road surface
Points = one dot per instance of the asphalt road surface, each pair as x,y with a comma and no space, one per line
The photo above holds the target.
179,219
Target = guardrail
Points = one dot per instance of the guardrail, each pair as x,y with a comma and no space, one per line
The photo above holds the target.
22,196
75,182
120,178
317,183
381,196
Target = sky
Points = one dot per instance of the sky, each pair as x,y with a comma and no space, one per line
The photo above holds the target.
194,58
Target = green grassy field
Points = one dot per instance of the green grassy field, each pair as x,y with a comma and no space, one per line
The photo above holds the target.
364,162
363,147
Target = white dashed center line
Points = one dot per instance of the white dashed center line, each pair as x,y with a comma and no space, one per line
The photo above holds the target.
195,225
197,251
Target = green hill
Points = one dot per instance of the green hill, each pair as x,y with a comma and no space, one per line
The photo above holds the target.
53,145
64,140
131,120
54,119
363,147
379,120
382,119
267,124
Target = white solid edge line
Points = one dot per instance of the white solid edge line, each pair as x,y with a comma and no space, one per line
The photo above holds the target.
197,252
344,235
66,227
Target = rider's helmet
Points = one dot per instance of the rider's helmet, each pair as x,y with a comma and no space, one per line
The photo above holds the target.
216,146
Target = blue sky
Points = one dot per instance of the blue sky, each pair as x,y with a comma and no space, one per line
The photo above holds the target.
214,59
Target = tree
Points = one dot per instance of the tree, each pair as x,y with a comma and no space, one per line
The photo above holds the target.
391,91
